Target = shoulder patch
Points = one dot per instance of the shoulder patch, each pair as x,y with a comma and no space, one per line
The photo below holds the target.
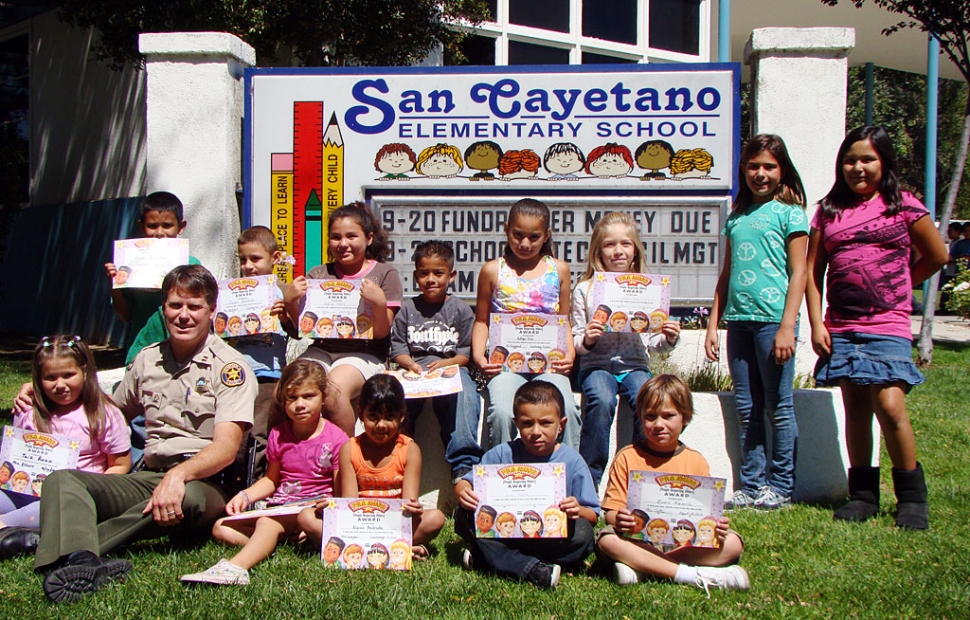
232,374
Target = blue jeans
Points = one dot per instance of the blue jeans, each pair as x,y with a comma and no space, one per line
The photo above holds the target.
458,416
501,393
516,557
601,388
763,388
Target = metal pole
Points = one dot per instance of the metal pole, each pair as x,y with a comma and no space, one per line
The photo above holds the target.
932,86
870,83
724,31
929,166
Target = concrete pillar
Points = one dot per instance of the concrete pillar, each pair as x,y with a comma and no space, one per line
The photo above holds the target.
195,110
798,77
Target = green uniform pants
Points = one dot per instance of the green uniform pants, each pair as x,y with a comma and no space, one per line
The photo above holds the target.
81,511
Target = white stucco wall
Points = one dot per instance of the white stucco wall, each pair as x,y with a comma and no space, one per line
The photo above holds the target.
195,110
87,122
798,81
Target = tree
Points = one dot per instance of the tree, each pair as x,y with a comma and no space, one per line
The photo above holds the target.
315,32
949,22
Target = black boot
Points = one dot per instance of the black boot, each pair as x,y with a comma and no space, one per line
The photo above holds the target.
81,573
863,495
16,541
912,509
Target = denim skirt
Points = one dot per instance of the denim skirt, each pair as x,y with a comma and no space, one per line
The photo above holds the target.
868,359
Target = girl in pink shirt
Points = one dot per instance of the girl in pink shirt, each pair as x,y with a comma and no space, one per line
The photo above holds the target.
301,465
862,239
70,405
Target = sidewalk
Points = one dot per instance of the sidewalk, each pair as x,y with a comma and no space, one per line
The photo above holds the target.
945,329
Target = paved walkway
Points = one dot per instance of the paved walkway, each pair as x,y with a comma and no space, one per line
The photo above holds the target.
945,328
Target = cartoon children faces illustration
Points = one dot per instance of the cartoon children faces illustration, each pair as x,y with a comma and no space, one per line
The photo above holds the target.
394,160
555,523
332,550
483,156
530,524
610,160
653,156
505,524
441,161
563,160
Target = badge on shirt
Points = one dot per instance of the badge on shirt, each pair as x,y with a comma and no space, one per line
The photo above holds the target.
232,375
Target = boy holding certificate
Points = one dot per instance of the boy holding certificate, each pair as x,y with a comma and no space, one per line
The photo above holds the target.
539,416
665,406
432,331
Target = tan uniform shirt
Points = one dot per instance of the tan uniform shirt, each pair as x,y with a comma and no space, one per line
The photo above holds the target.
182,403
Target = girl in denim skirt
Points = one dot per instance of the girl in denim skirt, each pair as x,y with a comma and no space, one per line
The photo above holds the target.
862,240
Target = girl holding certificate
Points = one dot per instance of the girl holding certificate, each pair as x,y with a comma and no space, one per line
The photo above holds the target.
528,278
70,405
611,363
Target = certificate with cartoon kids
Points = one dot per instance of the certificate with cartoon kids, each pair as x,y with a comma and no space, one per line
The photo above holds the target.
366,533
630,302
28,457
527,343
143,263
334,309
430,383
520,500
673,511
244,307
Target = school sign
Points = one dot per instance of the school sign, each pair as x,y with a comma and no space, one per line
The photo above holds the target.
443,153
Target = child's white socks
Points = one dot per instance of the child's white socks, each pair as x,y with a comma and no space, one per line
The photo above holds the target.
686,574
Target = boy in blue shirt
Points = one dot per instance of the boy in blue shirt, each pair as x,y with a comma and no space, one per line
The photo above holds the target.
539,417
432,331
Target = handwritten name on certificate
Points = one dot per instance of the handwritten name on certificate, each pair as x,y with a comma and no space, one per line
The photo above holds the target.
630,302
366,533
143,263
334,309
674,511
520,500
527,343
34,455
430,383
244,307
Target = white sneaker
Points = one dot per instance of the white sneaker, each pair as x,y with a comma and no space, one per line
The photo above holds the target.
466,559
728,577
225,573
740,500
770,499
623,575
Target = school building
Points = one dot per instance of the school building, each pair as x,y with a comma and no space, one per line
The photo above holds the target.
96,140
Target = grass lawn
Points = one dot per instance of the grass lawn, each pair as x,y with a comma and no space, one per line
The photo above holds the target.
802,563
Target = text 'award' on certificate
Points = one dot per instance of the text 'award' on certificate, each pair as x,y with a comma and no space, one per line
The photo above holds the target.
366,533
520,500
143,263
674,511
527,343
34,455
244,307
630,302
334,309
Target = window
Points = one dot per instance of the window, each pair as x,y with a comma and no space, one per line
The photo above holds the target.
670,25
611,20
528,32
529,54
